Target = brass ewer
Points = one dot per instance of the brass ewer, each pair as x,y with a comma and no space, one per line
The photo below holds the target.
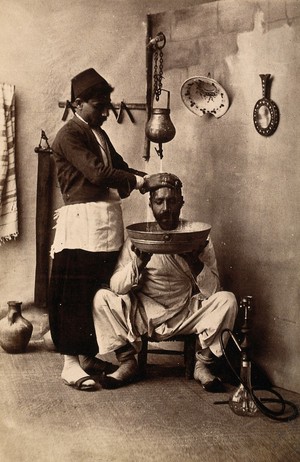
159,128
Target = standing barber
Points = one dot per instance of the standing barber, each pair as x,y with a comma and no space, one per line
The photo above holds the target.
93,178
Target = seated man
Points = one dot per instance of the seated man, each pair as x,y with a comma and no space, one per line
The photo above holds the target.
162,296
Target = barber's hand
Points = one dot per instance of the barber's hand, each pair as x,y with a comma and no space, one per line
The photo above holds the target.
192,258
142,257
158,180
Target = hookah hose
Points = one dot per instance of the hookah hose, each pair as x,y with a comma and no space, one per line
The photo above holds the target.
272,414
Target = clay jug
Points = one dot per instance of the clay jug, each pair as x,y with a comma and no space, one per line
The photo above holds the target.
15,331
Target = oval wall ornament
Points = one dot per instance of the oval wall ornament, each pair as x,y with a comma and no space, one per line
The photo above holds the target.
265,112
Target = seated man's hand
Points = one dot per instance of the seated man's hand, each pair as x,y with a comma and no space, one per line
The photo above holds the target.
159,180
142,257
192,259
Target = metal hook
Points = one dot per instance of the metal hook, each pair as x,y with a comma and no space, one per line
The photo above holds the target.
68,106
40,148
123,108
158,42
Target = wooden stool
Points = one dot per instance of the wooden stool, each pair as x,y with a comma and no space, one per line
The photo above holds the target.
188,352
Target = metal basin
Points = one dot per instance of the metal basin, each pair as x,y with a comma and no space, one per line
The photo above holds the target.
149,237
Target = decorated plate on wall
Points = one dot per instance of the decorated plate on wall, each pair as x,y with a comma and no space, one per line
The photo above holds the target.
203,95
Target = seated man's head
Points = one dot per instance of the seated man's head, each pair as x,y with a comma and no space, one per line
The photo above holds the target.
166,202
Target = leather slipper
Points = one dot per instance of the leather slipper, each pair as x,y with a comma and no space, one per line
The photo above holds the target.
110,383
79,384
95,366
214,386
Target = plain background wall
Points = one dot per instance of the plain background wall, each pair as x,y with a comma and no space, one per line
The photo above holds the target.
244,184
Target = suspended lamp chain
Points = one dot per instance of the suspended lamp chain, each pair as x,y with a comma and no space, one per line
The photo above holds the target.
158,58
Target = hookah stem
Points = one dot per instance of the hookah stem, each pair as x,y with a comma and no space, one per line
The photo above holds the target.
275,415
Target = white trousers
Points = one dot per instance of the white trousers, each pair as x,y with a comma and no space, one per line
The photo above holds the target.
118,321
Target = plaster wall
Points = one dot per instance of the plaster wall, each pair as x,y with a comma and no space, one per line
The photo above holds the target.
244,184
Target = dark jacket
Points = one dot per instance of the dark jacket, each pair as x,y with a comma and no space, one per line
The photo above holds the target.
82,174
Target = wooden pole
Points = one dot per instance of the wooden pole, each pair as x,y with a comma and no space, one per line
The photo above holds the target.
43,223
149,57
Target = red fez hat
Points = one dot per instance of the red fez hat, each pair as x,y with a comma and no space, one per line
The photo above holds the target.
86,80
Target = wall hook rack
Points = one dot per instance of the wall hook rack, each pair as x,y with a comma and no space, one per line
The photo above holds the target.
121,107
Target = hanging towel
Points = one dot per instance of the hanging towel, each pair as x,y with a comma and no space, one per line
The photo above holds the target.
8,188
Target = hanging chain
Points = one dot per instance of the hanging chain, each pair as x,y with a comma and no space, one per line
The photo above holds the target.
159,43
158,73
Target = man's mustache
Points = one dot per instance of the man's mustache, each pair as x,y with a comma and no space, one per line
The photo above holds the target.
165,216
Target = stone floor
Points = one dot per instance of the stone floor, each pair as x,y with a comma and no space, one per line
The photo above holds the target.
162,418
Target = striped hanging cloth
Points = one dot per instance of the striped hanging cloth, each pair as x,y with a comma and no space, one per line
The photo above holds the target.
8,188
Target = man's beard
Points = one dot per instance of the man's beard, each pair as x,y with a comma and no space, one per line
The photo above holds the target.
167,221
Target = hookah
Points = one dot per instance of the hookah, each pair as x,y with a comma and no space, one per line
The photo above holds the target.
244,400
241,401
